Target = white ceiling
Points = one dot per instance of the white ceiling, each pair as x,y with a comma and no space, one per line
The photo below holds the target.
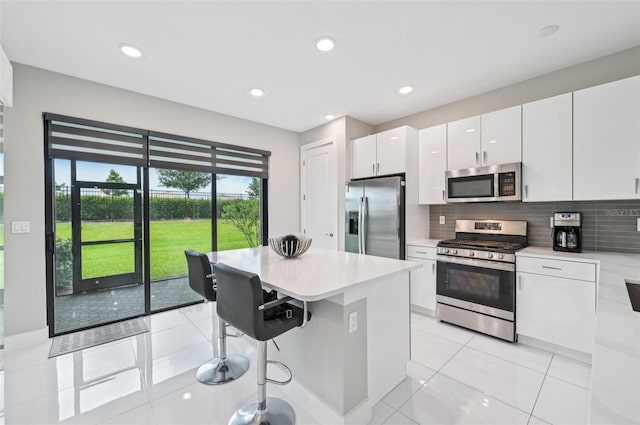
209,54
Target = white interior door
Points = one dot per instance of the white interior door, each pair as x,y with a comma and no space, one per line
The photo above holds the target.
320,213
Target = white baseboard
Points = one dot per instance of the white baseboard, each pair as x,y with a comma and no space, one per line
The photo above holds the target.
423,310
547,346
26,339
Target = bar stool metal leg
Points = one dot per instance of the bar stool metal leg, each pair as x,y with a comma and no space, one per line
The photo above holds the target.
222,369
265,410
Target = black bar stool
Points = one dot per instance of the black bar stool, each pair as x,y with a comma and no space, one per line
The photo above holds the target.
224,368
241,304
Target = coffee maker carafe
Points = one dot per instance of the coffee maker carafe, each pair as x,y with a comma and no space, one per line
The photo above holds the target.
567,231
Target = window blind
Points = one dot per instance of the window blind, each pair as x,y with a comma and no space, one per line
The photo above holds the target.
74,138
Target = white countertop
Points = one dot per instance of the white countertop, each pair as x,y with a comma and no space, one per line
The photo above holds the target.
316,274
425,242
615,372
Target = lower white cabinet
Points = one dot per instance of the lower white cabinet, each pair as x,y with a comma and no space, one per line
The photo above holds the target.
423,280
557,310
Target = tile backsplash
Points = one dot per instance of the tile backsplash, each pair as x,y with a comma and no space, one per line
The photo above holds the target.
606,225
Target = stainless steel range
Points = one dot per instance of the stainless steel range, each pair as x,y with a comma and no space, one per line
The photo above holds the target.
476,277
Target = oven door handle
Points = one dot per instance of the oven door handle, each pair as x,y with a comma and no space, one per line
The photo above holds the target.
487,264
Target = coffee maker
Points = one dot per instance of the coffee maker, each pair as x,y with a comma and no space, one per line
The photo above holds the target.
567,231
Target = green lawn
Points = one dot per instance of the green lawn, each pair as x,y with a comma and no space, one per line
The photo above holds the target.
169,239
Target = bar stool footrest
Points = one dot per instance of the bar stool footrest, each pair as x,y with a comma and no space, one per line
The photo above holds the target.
284,368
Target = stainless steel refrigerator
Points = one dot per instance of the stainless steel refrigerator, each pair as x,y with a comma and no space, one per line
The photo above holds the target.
375,217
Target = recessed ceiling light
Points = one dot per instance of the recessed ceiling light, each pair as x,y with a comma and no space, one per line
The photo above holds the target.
325,44
493,141
434,152
405,89
131,51
548,30
394,137
256,92
470,130
329,117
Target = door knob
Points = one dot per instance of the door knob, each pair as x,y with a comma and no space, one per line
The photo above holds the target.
329,234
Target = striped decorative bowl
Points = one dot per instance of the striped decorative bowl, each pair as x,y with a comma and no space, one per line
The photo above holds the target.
290,246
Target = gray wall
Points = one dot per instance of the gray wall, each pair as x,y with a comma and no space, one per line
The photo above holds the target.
607,225
37,91
598,71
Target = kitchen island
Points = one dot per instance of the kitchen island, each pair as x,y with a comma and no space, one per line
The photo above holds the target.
355,348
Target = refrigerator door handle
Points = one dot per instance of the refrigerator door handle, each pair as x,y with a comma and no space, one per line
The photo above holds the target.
365,213
360,227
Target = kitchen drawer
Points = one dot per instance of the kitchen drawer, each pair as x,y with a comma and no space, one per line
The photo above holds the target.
428,253
557,268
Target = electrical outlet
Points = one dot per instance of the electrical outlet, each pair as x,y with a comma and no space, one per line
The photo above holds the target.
638,225
551,222
353,322
442,219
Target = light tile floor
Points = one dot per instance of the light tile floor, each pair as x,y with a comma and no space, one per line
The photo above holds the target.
456,377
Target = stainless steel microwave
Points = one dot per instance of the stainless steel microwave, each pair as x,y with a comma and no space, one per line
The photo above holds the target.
485,184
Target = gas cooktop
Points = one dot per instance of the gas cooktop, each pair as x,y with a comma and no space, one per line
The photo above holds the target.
492,245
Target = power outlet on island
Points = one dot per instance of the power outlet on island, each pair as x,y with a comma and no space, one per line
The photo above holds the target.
442,219
353,322
638,224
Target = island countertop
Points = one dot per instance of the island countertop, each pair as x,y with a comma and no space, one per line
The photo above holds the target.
317,274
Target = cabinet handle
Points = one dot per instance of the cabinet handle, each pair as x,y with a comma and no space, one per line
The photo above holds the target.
433,267
443,195
477,158
373,168
378,168
551,268
484,157
520,283
637,183
526,190
421,252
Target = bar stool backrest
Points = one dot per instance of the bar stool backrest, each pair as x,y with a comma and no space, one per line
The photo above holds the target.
239,296
199,268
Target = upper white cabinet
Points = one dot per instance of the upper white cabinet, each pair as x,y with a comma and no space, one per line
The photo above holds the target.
363,154
489,139
432,153
6,80
463,143
379,154
502,136
606,141
547,158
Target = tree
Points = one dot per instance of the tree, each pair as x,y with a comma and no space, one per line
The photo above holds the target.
245,215
187,181
253,190
114,177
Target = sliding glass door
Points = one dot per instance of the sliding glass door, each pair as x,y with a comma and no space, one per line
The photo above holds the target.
122,206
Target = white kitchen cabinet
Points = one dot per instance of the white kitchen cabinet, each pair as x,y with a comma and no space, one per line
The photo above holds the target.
555,308
463,143
379,154
606,141
432,153
391,151
547,149
490,139
501,136
423,280
363,153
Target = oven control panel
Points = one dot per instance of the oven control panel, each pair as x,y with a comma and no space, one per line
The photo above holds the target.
479,254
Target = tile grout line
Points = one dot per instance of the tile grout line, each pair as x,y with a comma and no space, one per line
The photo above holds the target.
542,385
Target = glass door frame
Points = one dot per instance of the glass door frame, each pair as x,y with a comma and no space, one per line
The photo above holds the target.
79,283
